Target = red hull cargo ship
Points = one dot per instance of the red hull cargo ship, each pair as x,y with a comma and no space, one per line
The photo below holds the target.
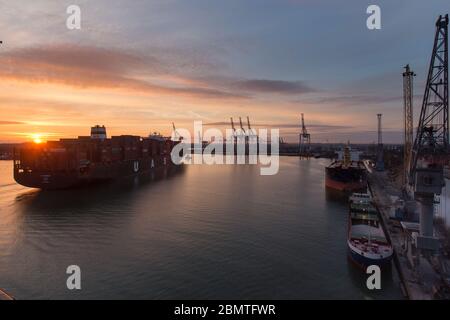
73,162
346,175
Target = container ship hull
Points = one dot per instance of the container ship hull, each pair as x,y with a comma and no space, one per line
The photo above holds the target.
71,163
97,174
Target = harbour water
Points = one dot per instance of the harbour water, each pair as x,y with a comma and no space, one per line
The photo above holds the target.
205,232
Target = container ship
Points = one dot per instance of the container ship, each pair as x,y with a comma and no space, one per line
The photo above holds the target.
347,173
89,159
366,240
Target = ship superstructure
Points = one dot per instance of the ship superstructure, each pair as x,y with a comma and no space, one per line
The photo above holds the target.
346,173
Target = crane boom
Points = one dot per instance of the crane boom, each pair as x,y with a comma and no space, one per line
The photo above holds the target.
432,138
242,127
232,125
304,131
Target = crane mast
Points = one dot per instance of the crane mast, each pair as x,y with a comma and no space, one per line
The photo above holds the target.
408,112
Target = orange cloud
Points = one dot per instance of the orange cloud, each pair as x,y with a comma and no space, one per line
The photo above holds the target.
92,67
62,90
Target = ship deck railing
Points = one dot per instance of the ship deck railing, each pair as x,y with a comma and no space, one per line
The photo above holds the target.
358,207
364,216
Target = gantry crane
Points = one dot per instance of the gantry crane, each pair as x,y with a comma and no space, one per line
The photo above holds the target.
234,134
243,133
305,140
249,128
241,126
251,133
175,134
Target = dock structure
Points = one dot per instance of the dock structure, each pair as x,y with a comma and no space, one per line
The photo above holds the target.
407,210
417,282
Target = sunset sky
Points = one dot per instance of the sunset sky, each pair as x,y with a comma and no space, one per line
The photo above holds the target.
137,66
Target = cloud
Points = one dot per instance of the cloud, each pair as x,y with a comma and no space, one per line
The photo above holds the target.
354,100
3,122
84,58
363,99
96,67
273,86
92,67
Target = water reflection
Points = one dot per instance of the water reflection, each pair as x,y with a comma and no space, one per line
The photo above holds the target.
336,195
204,232
81,199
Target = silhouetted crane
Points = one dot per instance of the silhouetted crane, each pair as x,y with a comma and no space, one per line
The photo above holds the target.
305,140
176,135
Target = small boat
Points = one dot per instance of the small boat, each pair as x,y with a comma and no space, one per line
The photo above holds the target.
366,240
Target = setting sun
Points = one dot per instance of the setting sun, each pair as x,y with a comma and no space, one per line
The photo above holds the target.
37,138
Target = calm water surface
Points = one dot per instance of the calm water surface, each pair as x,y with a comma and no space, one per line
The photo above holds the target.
206,232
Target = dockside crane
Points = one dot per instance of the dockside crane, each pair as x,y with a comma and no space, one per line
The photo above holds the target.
305,140
175,134
432,138
430,151
242,133
249,128
251,133
408,112
241,126
233,128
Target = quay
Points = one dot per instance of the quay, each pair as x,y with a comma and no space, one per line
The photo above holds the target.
420,277
408,188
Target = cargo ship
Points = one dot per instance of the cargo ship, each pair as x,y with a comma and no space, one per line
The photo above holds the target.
347,173
366,240
85,160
